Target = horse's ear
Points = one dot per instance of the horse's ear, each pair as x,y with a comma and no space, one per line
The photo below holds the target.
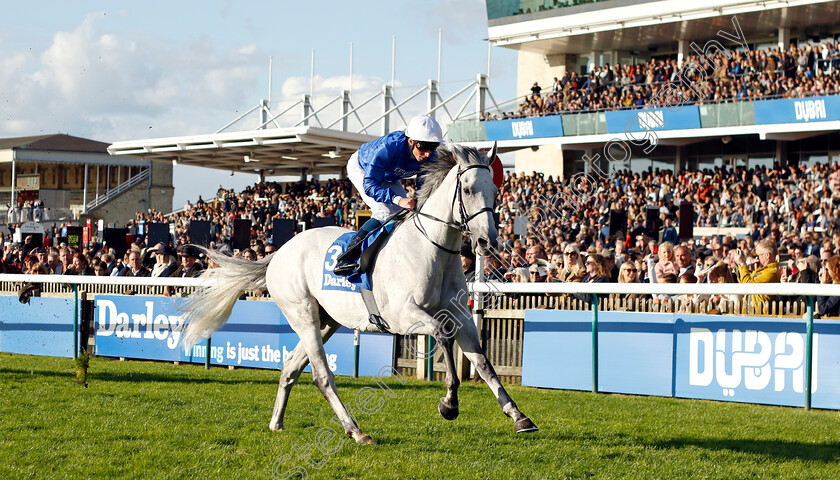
491,157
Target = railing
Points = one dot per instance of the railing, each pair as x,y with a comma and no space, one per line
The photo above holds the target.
499,308
304,112
119,190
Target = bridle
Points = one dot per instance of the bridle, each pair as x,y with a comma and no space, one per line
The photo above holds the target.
463,226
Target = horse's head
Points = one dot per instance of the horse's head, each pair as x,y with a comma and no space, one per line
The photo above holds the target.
475,197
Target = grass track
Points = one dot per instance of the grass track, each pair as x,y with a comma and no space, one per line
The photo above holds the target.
156,420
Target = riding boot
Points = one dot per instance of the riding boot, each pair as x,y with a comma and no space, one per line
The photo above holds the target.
347,264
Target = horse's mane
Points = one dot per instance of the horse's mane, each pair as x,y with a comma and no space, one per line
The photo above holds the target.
434,172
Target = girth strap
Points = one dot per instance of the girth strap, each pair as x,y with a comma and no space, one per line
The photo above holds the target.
374,316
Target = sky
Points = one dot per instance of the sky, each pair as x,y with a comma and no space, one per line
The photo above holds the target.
118,70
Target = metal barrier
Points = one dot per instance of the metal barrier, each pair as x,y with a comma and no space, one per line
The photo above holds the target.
499,310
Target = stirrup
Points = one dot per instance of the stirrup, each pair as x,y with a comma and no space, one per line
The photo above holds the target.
379,323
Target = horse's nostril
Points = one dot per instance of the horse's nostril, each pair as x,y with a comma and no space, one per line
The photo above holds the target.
482,242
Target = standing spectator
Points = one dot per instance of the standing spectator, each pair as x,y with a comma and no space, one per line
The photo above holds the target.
830,306
627,273
683,259
468,262
79,266
165,263
767,272
190,267
596,272
100,268
536,274
669,233
135,266
573,269
54,264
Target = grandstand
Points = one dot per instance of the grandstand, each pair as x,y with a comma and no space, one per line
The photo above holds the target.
734,75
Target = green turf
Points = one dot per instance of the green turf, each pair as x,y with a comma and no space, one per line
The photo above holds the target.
156,420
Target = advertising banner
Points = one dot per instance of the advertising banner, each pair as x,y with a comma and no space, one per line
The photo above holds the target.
256,335
517,128
44,326
797,110
727,358
647,119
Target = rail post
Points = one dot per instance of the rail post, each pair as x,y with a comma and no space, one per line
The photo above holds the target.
809,345
594,343
430,359
75,320
356,353
207,355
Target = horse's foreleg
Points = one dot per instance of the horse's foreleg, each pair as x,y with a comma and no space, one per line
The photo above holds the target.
292,368
448,406
467,338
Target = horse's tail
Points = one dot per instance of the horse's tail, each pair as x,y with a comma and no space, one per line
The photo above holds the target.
209,307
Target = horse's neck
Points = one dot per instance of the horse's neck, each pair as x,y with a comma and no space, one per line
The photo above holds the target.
414,245
440,205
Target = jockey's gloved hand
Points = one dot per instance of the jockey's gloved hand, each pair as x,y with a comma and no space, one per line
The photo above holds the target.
408,203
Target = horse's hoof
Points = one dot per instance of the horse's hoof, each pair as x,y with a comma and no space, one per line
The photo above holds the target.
446,411
524,425
276,428
365,440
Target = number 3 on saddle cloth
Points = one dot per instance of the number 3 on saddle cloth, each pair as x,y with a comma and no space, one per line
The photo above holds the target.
361,279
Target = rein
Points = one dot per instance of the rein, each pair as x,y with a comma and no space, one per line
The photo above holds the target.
463,226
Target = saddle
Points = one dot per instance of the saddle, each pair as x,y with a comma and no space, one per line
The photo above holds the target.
361,281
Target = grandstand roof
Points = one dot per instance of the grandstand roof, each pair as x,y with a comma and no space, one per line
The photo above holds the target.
283,150
627,25
60,148
56,142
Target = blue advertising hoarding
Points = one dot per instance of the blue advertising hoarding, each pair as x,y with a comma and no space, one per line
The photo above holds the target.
533,127
727,358
44,326
652,119
256,335
797,110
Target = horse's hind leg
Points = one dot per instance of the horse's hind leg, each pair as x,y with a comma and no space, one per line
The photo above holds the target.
292,368
303,317
467,338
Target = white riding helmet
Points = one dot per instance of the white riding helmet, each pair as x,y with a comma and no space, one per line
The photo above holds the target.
424,128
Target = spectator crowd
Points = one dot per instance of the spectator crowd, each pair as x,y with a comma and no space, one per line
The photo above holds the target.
790,217
550,232
799,71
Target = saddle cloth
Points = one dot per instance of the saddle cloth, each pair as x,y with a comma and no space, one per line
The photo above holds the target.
361,279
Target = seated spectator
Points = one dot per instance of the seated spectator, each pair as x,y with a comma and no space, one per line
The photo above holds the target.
829,306
767,272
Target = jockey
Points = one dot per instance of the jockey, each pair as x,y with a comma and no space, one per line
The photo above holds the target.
376,169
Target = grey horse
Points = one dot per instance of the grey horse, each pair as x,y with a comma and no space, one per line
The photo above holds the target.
417,282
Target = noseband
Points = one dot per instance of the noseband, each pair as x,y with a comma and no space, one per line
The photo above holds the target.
463,226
